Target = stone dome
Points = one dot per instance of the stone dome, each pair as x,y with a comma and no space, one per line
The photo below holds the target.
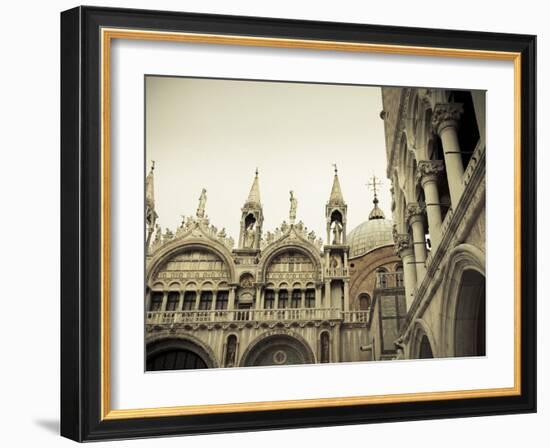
375,232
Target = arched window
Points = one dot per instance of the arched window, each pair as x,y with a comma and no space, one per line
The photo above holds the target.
296,298
269,299
189,299
310,298
231,351
283,298
173,301
206,300
364,302
222,300
325,347
156,301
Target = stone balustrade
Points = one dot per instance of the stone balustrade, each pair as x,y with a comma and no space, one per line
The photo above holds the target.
278,315
265,315
386,280
336,272
356,317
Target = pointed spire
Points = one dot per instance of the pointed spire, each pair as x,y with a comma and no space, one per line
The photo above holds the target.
254,195
336,192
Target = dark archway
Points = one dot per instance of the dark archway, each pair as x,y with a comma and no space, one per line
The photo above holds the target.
425,351
469,334
175,360
179,354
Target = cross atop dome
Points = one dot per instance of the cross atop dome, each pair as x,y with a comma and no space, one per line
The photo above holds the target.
376,212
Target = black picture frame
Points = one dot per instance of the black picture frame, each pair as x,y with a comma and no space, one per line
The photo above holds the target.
81,215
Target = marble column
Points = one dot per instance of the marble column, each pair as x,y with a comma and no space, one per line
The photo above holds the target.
277,298
164,300
231,299
317,296
182,298
214,299
346,295
428,171
445,121
303,299
328,295
415,214
198,299
258,304
404,249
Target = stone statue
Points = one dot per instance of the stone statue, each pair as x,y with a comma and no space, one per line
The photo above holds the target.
158,234
337,232
249,236
319,243
311,236
202,204
222,233
293,207
168,235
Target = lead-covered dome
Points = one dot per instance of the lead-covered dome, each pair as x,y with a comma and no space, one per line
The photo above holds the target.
376,232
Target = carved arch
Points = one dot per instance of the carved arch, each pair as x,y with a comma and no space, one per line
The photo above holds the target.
464,257
172,249
259,344
295,246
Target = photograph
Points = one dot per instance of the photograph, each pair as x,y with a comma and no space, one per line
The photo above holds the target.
290,223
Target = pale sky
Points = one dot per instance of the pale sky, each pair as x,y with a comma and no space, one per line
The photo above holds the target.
207,133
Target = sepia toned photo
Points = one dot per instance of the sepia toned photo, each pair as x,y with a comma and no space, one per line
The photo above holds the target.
293,223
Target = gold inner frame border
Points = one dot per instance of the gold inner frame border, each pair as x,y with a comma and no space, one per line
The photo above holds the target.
107,35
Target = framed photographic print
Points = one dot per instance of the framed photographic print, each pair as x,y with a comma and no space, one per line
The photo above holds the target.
272,223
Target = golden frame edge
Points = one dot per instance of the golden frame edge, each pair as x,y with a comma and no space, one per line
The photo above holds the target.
107,34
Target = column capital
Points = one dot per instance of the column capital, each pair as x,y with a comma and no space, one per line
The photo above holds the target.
415,212
427,171
402,243
445,115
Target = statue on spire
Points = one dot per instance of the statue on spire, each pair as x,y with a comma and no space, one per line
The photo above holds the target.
150,213
202,204
293,207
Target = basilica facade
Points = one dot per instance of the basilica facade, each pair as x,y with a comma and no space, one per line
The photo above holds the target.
272,297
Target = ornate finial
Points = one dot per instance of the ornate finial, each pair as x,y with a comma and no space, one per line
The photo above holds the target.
256,171
152,165
376,212
335,169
